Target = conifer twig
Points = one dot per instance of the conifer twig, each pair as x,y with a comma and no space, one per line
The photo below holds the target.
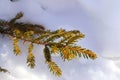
59,42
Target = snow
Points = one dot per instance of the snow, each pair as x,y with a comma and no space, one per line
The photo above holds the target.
98,19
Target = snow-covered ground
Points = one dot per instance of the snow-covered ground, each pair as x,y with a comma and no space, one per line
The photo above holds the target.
97,19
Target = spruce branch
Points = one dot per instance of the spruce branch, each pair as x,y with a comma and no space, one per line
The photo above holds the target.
60,42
